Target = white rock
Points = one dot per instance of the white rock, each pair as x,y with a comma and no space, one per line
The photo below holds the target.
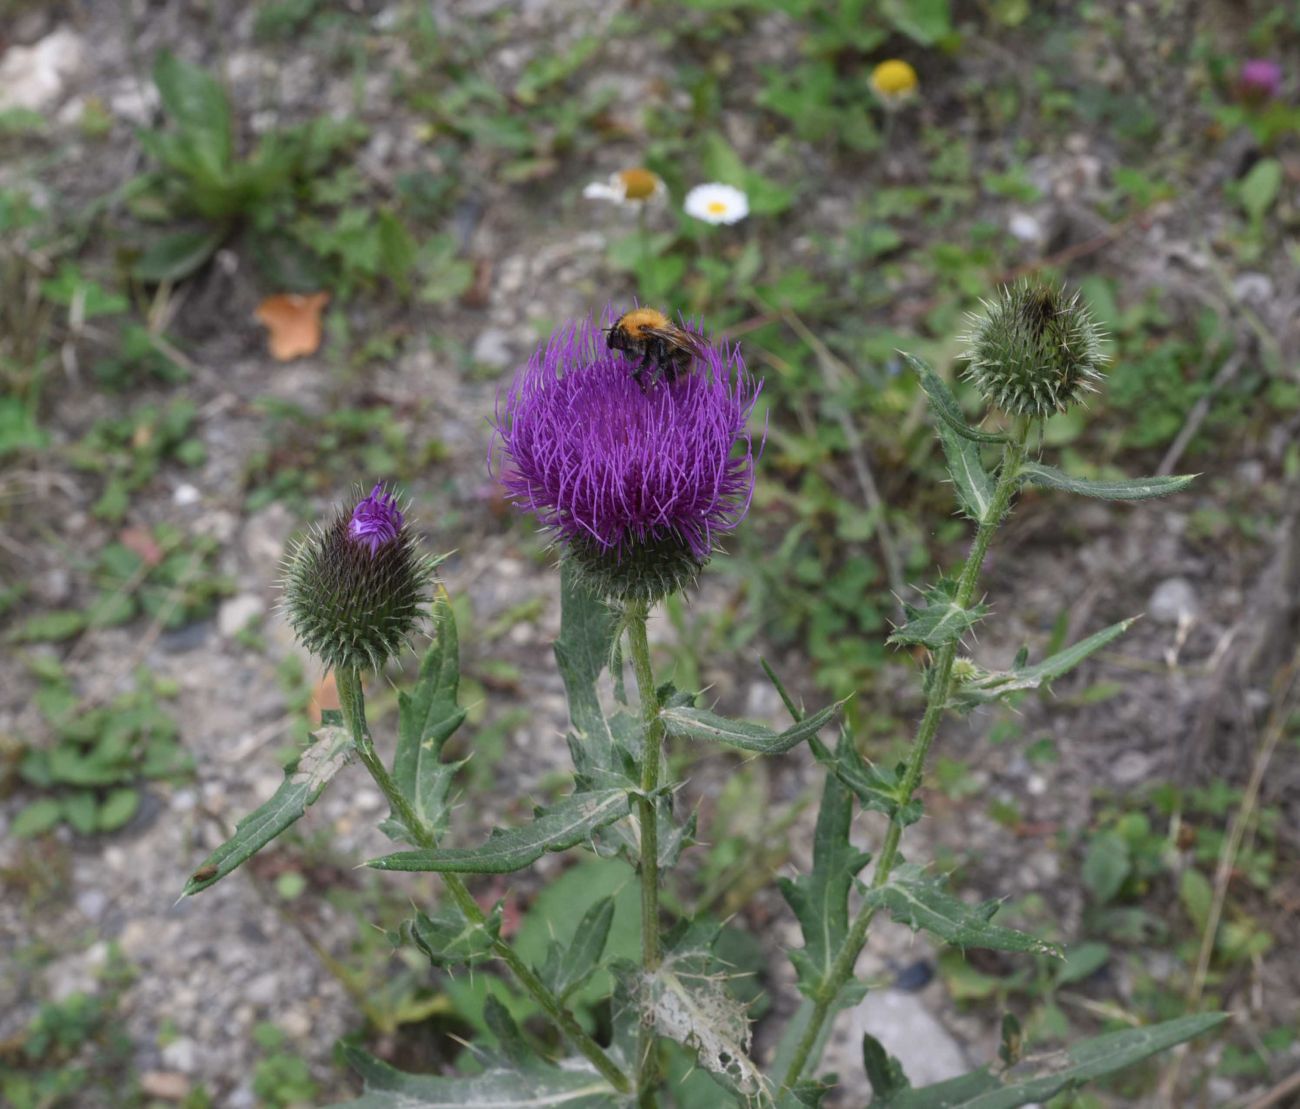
1131,767
182,1055
1173,599
185,495
1025,227
133,101
236,612
910,1033
492,348
33,76
91,903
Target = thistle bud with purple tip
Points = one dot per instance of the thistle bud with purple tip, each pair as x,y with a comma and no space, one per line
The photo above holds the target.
637,481
356,588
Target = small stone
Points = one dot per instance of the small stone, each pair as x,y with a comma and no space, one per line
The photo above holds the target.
1173,600
262,990
492,348
1131,767
33,76
1253,288
165,1085
1025,227
912,1034
185,495
91,903
182,1055
236,613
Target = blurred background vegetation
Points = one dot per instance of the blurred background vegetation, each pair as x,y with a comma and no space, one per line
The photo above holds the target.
251,252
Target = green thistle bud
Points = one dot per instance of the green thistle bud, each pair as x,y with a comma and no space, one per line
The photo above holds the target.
355,590
963,669
1034,351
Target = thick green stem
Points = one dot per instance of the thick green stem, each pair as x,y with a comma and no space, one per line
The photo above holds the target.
352,701
1013,455
639,648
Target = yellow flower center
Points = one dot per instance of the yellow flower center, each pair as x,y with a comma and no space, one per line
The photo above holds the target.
638,183
894,78
717,207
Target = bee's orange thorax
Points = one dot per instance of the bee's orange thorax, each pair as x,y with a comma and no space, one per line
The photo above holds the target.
637,320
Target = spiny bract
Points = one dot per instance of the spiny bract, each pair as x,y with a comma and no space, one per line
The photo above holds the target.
1034,351
355,590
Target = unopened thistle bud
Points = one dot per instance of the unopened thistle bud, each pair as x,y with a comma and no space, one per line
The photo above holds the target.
1034,351
637,478
356,588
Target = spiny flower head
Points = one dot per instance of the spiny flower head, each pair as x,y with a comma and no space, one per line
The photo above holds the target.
894,81
1034,351
637,481
355,588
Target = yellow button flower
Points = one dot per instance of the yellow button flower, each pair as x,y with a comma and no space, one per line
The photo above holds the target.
894,81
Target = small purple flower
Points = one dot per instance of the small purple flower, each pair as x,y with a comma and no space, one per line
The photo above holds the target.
1260,79
376,520
638,484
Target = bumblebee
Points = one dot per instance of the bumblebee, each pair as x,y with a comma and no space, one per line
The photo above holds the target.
660,346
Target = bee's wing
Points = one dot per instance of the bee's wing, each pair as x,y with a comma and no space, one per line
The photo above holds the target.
680,338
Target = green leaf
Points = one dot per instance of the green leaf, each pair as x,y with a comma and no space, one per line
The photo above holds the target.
1259,188
1082,961
566,968
37,818
1106,866
304,780
923,21
449,938
1066,1070
884,1072
1123,489
972,482
944,403
684,722
820,900
426,718
198,104
49,627
587,630
566,824
538,1087
920,900
990,685
1197,895
878,790
117,808
502,1025
178,255
941,620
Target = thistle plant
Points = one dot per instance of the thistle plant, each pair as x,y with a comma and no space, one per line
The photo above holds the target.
637,482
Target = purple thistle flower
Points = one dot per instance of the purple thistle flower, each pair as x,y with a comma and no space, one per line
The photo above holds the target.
1260,79
638,484
376,520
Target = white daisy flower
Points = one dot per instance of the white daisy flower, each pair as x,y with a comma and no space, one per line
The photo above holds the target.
714,203
628,187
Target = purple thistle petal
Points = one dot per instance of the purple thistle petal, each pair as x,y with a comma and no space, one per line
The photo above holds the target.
376,520
601,461
1261,78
